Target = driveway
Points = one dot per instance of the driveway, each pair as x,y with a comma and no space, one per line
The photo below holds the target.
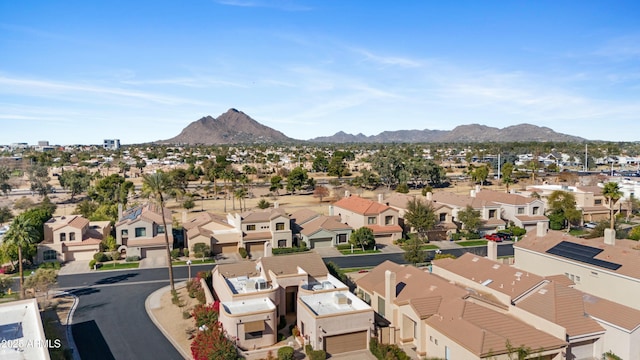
75,267
153,262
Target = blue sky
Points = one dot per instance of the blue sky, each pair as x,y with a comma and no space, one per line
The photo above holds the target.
82,71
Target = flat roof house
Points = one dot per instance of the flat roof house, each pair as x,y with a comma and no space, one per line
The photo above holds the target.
21,331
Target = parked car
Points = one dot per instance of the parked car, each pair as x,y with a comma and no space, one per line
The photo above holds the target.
590,225
504,236
493,237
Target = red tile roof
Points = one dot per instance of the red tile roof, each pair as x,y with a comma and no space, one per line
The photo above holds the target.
361,206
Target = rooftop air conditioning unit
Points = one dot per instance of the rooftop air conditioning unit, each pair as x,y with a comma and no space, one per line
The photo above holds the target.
261,284
326,285
340,299
250,285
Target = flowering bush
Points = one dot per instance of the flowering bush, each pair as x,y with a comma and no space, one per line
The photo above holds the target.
212,344
205,315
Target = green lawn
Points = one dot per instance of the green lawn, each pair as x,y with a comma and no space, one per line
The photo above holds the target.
472,243
358,251
356,269
125,265
194,262
424,247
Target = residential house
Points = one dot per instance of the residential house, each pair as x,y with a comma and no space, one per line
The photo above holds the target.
589,199
490,212
316,231
221,234
444,214
443,320
254,295
263,230
524,212
68,238
359,212
140,231
605,267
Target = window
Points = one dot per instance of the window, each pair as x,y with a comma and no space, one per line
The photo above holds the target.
371,220
342,238
520,210
141,232
279,226
50,255
536,210
388,220
443,216
253,335
381,306
72,236
282,243
124,233
63,237
251,227
160,229
597,202
492,213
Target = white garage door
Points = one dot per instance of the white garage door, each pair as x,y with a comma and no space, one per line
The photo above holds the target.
79,255
154,253
581,351
321,243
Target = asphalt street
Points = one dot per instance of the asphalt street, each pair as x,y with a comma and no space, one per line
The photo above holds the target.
110,321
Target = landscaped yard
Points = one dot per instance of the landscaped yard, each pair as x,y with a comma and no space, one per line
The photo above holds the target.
424,247
125,265
358,251
468,243
193,262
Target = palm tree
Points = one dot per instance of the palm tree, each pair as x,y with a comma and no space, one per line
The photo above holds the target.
21,234
156,185
612,192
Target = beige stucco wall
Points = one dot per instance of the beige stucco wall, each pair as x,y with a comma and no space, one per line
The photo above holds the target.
600,282
234,325
620,342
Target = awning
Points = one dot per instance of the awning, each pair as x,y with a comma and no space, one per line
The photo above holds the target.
254,326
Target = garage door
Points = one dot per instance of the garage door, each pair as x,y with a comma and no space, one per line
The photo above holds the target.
153,253
79,255
346,342
321,243
255,249
581,350
225,249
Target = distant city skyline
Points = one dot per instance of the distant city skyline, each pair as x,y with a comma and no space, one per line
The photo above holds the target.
78,72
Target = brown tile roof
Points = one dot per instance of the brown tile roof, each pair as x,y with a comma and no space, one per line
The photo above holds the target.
262,216
197,231
242,268
154,241
202,219
388,229
612,312
501,278
399,200
483,331
561,305
331,223
534,218
457,200
257,235
148,212
75,221
311,263
596,190
361,206
624,252
502,197
303,216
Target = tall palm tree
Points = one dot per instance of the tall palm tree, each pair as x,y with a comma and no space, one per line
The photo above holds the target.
613,193
21,234
156,185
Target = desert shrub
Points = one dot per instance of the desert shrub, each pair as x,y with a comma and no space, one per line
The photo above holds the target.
243,252
285,353
132,258
344,247
50,265
201,250
100,257
175,253
318,355
308,349
185,251
289,250
295,331
213,343
92,263
386,351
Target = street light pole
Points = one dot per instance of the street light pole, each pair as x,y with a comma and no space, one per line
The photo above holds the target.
189,265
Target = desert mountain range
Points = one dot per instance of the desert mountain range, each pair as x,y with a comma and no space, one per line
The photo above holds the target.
236,127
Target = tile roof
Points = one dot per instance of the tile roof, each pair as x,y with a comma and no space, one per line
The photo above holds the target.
311,263
263,215
382,229
361,206
611,312
204,218
242,268
303,216
624,252
457,200
148,212
330,223
257,235
75,221
503,197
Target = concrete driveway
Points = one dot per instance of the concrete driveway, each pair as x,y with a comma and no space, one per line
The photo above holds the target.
153,262
75,267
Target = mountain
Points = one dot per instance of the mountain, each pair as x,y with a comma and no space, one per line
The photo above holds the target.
232,127
462,133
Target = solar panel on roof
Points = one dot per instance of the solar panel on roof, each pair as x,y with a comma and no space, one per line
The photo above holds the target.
581,253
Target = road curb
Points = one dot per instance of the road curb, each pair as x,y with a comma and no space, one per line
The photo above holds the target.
150,303
70,340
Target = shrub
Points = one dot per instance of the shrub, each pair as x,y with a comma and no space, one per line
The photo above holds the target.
132,258
92,263
243,252
386,351
213,343
308,349
289,250
201,250
205,315
344,247
185,251
295,332
50,265
100,257
175,253
318,355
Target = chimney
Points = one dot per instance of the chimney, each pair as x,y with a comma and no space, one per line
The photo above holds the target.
429,196
184,217
330,210
347,193
276,204
492,250
381,198
119,212
542,228
472,193
390,286
610,237
477,189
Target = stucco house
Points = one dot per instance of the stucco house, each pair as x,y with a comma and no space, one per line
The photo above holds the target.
490,211
444,214
68,238
262,230
140,232
254,295
221,234
589,199
316,230
525,212
359,212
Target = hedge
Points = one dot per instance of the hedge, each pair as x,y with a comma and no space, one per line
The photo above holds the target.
288,250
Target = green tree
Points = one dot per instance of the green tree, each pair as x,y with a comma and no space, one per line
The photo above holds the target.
112,189
506,172
297,179
421,217
320,162
188,203
263,204
42,280
39,179
157,185
337,167
241,195
5,175
5,214
21,234
480,174
108,244
86,208
562,210
470,218
276,184
363,237
76,181
612,192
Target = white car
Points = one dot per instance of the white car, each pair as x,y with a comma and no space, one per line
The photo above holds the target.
590,225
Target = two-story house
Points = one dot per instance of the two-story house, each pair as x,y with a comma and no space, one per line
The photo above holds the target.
68,238
317,231
444,214
262,230
254,295
589,199
140,231
359,212
525,212
221,234
490,212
